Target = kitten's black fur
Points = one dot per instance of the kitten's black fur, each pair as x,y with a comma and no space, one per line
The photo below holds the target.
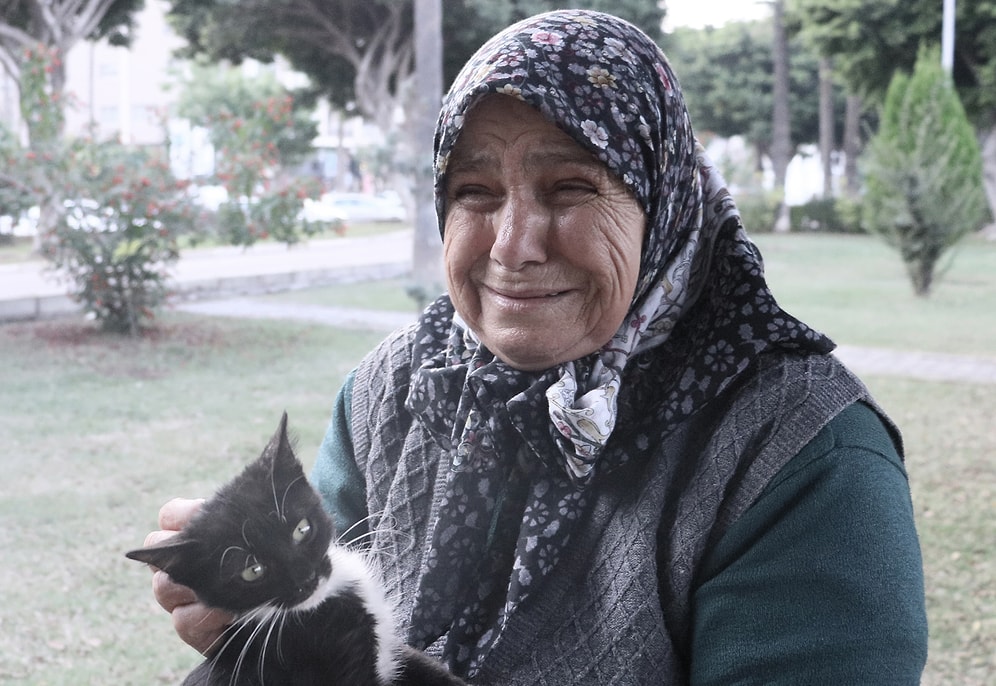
310,611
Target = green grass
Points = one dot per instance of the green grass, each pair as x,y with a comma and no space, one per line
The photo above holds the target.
16,249
97,432
950,439
855,289
388,294
353,230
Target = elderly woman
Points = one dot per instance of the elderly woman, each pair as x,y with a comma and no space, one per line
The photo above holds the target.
607,455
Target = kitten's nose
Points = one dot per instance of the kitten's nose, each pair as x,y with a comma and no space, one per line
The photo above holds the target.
306,583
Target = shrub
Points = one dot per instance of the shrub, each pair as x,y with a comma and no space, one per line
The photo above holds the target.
273,213
923,170
117,237
256,131
825,215
758,209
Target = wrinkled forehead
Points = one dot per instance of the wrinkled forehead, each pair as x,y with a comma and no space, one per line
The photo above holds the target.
496,124
598,78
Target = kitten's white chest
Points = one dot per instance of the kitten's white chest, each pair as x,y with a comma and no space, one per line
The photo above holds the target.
352,572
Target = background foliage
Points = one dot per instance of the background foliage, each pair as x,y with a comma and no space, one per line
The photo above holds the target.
924,171
119,235
108,217
259,131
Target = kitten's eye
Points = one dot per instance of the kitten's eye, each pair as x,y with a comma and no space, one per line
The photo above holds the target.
302,530
253,572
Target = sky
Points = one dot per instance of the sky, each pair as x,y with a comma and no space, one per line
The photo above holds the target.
699,13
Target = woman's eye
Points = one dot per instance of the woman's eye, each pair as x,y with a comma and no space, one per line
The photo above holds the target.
301,531
470,192
574,189
253,572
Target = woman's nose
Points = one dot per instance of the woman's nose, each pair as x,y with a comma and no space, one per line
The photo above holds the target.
521,233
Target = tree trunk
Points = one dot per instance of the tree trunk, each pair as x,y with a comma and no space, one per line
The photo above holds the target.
781,133
826,125
427,249
852,144
987,140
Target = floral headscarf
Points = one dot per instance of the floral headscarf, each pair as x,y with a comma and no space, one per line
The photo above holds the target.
700,315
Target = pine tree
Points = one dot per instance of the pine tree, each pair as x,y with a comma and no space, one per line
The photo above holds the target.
923,170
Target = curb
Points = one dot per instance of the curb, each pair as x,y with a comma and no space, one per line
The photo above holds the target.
28,292
36,307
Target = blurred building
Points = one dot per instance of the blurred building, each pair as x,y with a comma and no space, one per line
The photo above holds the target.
125,92
130,94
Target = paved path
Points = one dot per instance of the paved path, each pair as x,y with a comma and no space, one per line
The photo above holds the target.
28,292
222,281
344,317
921,365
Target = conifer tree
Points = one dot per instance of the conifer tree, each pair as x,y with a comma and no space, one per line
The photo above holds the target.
923,170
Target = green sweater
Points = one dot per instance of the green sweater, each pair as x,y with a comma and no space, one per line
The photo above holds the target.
762,612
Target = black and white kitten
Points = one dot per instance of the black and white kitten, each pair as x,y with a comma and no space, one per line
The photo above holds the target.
310,611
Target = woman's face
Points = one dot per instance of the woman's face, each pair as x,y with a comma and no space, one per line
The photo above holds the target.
541,242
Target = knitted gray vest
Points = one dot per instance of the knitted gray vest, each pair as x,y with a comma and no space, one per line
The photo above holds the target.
616,608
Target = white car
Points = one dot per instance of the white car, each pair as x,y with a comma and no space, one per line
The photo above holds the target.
318,211
363,207
81,215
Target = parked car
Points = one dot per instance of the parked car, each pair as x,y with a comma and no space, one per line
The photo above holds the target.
21,226
318,211
363,207
209,196
82,214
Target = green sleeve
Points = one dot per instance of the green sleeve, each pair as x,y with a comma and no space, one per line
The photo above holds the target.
821,580
335,474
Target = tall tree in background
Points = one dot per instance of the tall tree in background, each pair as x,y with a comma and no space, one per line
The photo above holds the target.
781,131
59,25
826,125
362,53
726,76
427,271
353,51
923,170
870,39
48,29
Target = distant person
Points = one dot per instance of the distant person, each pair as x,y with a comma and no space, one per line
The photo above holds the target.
608,456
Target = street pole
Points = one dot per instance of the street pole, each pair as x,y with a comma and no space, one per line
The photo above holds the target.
947,36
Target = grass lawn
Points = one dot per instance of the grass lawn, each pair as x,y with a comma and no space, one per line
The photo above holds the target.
387,294
855,289
16,249
97,432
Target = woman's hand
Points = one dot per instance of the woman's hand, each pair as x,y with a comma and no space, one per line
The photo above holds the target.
195,623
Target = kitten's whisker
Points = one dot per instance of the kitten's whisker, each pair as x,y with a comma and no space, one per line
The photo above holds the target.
358,523
283,500
259,615
229,549
272,621
386,525
368,547
280,635
273,489
238,625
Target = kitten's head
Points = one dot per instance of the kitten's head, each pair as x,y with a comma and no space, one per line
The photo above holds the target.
262,539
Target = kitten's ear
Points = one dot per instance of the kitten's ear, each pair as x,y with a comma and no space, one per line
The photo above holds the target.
281,446
280,436
164,556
